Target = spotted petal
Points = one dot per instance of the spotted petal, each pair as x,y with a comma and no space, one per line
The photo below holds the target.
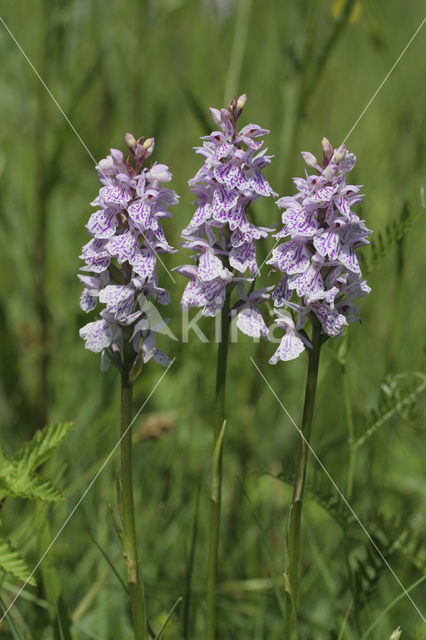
118,299
251,322
115,195
291,346
97,335
124,247
102,224
209,267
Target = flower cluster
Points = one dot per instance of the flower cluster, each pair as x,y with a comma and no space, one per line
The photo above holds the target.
224,240
121,256
322,275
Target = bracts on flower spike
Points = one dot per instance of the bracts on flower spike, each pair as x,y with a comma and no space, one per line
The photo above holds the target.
321,275
121,258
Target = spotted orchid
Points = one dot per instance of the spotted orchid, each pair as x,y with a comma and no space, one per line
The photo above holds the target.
220,233
121,257
318,259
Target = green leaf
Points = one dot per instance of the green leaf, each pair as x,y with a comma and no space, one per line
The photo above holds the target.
166,622
44,442
17,474
12,562
14,629
399,392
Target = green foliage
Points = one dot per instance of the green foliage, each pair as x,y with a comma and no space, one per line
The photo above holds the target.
18,475
367,565
382,242
399,393
19,479
14,629
11,562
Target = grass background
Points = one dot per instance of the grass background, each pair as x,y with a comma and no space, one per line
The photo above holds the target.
154,68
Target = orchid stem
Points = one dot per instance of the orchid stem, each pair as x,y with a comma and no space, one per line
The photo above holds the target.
137,600
294,527
217,472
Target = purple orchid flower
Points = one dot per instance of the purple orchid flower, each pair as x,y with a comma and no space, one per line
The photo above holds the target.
122,255
318,260
219,233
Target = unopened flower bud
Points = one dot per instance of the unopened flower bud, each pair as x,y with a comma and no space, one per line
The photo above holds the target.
216,116
232,104
327,148
139,151
241,102
310,159
130,140
340,153
148,146
396,634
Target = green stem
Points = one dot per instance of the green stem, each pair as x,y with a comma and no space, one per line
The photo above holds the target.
299,485
350,422
137,600
217,474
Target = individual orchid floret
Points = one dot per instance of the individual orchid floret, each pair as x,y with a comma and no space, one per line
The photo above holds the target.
121,257
321,274
292,344
220,233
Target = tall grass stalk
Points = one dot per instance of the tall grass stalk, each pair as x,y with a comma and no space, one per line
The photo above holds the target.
238,49
294,528
351,432
216,492
42,190
134,573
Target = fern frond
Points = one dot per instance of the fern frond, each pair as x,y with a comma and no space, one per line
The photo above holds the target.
37,450
18,477
399,393
12,562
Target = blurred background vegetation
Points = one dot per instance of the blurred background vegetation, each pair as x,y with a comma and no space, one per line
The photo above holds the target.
153,67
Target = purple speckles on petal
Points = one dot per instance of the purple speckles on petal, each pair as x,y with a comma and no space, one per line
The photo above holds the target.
291,257
102,223
209,267
343,206
281,294
327,243
332,322
243,257
250,322
290,348
124,247
140,213
97,335
348,258
87,301
115,195
144,264
118,300
308,282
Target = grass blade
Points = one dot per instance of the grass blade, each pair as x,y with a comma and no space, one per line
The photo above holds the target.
166,622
